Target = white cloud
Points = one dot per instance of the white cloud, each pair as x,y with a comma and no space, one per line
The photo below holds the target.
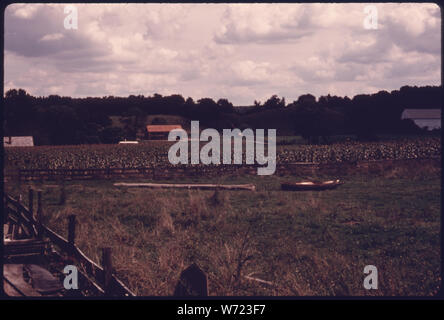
23,11
262,23
52,37
249,72
243,52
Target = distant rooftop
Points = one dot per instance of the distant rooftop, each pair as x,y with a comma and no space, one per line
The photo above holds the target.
163,128
421,114
26,141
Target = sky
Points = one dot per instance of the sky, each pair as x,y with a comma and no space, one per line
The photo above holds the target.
241,52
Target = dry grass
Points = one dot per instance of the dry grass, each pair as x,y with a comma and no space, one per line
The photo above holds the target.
296,243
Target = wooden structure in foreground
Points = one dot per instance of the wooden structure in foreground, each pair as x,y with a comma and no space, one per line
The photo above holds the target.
34,257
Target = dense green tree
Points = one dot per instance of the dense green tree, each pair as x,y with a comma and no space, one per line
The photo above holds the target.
64,120
274,102
225,105
112,135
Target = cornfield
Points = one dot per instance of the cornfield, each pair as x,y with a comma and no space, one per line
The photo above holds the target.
156,154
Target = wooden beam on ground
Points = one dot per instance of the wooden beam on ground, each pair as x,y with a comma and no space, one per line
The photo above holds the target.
13,274
250,187
42,280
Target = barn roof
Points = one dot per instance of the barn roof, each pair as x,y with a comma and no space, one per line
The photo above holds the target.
162,128
421,114
26,141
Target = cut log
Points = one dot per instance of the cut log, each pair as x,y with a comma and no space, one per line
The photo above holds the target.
250,187
309,185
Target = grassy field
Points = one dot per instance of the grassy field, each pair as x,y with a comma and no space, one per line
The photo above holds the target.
303,243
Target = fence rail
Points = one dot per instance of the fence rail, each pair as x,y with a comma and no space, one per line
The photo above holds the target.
168,172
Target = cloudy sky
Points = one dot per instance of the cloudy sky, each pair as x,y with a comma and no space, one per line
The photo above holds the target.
241,52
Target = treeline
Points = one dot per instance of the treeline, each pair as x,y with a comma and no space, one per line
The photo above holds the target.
65,120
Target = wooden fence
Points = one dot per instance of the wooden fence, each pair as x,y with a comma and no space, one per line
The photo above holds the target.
179,171
27,232
154,173
24,223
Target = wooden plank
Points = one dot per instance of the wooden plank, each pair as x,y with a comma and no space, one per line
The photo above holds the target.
23,242
119,284
249,187
21,219
5,230
57,239
10,291
13,273
10,230
42,280
24,247
15,231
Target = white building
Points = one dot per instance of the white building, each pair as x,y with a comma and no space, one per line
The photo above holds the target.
26,141
430,118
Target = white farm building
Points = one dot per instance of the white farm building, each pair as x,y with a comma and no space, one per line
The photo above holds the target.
26,141
430,118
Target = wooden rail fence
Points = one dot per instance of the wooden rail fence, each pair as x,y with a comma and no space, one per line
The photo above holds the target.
27,233
169,172
24,224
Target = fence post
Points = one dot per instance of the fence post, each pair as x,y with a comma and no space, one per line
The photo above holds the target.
14,232
62,199
72,229
39,214
31,201
107,270
18,230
